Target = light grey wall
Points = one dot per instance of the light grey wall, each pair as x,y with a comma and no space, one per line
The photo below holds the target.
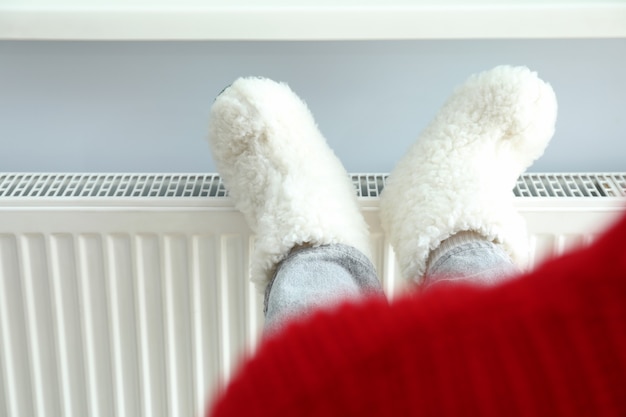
133,107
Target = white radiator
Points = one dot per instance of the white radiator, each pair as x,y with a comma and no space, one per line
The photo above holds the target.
128,295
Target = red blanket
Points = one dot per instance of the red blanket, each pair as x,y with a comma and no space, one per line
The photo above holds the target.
549,343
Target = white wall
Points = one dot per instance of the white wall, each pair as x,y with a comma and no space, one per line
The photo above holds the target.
133,106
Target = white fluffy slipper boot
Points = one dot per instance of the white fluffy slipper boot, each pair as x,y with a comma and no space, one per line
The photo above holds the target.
460,173
281,174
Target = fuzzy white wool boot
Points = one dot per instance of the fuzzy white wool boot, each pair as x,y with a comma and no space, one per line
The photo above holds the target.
460,173
281,174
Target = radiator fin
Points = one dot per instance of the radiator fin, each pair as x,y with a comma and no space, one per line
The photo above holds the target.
122,309
177,326
95,326
18,394
206,318
40,326
151,331
67,315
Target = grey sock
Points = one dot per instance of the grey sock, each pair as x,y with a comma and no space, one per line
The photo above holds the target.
468,257
317,277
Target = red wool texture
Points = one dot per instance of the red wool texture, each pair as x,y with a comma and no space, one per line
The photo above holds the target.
549,343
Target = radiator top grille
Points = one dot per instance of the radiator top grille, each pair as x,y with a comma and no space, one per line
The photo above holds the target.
63,185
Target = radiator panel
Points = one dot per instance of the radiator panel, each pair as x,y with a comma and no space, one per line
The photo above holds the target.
138,304
105,322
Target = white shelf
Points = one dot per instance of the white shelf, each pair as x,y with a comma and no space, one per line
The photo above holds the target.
309,19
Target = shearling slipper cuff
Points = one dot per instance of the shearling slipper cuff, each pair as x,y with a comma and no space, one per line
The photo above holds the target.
281,174
460,173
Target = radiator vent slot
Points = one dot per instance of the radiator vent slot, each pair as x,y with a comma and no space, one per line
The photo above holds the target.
111,185
29,185
571,185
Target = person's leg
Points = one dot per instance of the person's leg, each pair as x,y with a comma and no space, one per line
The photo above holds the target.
314,277
311,241
468,257
458,177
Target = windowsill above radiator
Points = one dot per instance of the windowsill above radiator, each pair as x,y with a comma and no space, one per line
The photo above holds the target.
310,20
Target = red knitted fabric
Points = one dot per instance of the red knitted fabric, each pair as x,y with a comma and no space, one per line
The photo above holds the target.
551,343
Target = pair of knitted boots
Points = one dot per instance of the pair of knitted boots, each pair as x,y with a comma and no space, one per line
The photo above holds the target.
458,176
